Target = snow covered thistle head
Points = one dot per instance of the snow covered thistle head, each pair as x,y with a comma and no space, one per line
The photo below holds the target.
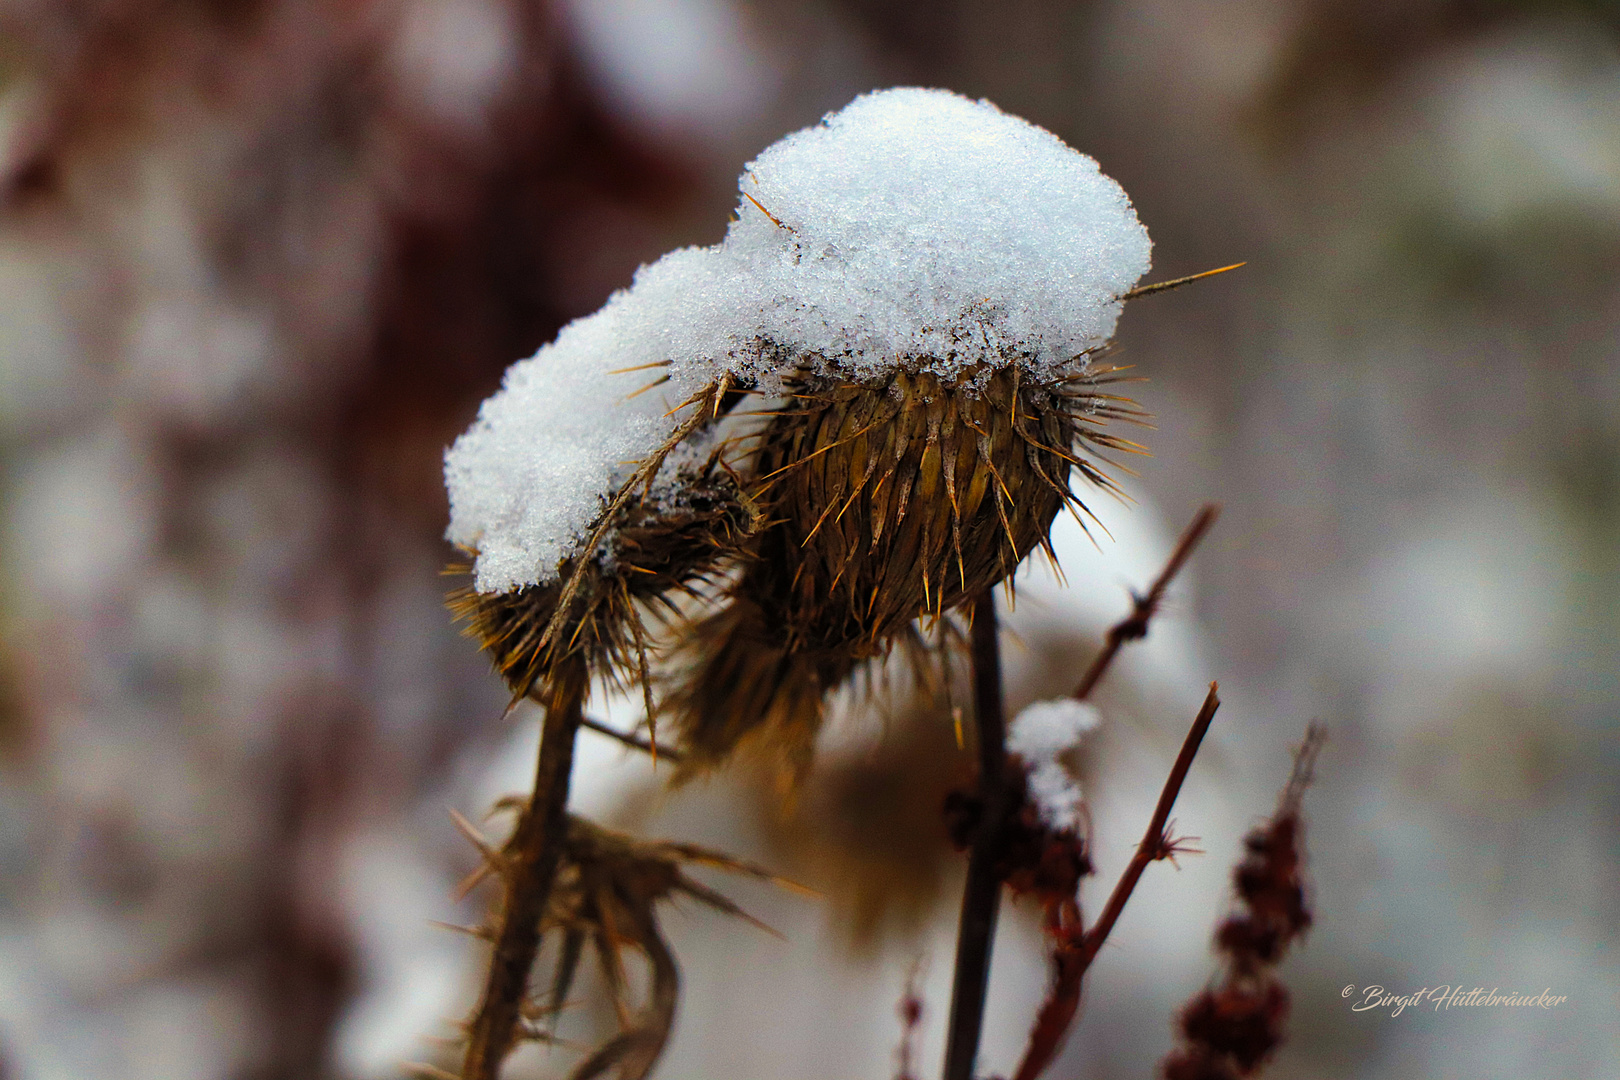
911,297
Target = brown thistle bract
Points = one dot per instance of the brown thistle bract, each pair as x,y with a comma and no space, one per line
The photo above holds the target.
885,502
606,893
657,552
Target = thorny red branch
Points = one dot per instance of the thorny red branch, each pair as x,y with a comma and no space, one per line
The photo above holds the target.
1156,843
1134,626
1073,947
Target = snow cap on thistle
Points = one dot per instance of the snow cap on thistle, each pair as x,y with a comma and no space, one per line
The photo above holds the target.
1040,735
914,230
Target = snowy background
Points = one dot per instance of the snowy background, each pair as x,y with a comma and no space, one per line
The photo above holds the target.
259,261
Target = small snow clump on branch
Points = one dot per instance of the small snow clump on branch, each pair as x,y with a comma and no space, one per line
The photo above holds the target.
914,229
1039,734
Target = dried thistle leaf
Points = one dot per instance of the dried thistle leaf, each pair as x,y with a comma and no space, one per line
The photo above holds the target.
607,890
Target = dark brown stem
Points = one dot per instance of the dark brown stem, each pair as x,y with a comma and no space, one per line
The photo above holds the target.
629,739
1134,626
528,866
1155,844
982,896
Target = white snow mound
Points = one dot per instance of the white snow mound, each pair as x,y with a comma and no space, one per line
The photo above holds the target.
912,228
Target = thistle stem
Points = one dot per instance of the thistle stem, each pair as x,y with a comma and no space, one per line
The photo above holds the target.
528,867
981,898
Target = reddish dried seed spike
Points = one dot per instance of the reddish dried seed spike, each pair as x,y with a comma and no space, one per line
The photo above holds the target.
1231,1030
1239,1021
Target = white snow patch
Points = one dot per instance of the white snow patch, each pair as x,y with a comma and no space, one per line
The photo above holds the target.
1040,733
914,228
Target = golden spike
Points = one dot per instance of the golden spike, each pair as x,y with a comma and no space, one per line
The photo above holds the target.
470,831
1166,286
480,932
1000,483
720,903
648,469
649,386
493,863
645,673
871,466
948,467
830,446
774,219
831,503
607,954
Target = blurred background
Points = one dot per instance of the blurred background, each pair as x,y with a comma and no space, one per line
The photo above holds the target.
260,260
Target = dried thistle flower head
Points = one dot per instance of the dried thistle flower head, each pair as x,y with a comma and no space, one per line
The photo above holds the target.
913,291
667,543
890,501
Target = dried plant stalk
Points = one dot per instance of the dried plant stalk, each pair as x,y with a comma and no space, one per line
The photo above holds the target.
1010,843
527,867
981,895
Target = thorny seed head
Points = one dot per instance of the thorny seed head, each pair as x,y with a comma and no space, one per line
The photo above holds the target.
888,502
662,548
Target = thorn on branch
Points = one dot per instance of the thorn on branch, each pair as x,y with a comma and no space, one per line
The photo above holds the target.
1144,606
1171,845
1153,841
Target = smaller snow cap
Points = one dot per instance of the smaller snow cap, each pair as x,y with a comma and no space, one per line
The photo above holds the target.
1039,734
